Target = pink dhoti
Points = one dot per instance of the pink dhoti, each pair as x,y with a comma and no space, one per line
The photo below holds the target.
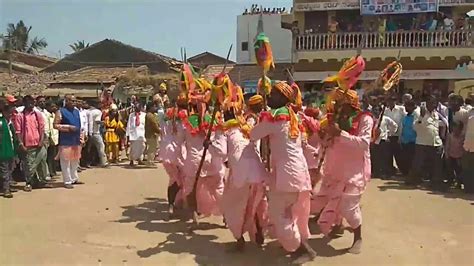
245,208
336,201
289,215
175,174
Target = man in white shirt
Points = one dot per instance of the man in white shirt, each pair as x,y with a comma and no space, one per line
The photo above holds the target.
468,157
136,134
95,134
429,147
396,113
41,107
383,159
53,138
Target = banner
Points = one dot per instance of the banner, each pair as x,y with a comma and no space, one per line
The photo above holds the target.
329,5
384,7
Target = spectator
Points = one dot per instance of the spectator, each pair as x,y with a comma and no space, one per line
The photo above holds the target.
407,138
429,146
136,134
456,112
152,131
469,101
41,107
29,126
396,113
95,133
384,161
448,23
333,27
454,152
114,129
468,156
53,138
8,143
68,122
391,25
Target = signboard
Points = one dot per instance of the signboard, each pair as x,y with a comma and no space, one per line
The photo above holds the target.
384,7
324,6
406,75
356,4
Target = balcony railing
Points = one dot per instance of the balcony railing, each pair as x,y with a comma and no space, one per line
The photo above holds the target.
398,39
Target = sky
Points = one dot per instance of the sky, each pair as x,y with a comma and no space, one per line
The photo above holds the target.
161,26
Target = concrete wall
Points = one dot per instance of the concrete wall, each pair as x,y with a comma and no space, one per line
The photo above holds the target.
279,38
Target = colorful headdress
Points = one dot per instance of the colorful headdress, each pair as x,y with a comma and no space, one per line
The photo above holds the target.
263,52
186,78
264,85
291,93
256,99
340,96
163,86
390,76
349,73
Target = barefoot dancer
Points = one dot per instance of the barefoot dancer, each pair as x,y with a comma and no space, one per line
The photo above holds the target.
172,156
342,187
244,202
290,184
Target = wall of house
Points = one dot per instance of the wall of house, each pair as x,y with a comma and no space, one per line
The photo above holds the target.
247,31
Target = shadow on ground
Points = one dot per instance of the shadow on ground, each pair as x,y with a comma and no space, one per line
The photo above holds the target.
449,193
152,216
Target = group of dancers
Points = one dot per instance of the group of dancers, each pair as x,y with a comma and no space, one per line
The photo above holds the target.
268,164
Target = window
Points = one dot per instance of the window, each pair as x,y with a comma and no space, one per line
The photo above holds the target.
245,46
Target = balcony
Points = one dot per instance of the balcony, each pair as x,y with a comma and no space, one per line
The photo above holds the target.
387,40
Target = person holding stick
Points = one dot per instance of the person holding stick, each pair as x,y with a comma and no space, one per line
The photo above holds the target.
290,183
203,193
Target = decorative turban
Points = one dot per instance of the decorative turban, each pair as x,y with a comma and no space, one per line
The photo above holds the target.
340,96
293,94
163,86
256,99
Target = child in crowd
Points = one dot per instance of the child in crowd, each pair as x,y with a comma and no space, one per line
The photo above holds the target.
453,153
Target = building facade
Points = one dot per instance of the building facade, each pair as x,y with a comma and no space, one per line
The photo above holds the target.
433,38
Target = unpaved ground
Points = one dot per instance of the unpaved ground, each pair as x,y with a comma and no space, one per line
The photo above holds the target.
118,217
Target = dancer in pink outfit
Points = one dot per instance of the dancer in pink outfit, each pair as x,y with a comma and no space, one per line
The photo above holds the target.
202,197
342,187
170,155
290,184
244,203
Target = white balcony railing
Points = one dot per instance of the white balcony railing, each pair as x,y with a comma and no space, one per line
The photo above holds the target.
398,39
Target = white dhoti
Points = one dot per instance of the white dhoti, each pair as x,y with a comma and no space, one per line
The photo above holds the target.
69,157
137,147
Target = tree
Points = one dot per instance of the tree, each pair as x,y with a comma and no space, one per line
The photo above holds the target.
18,38
79,45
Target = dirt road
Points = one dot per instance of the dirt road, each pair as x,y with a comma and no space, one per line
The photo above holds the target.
118,217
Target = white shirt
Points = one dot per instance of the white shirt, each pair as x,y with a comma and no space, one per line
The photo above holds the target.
469,137
84,121
94,118
448,24
388,127
427,130
396,114
135,132
47,126
461,116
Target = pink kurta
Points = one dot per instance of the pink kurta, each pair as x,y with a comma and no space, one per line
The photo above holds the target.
342,187
290,184
244,203
311,145
210,184
171,156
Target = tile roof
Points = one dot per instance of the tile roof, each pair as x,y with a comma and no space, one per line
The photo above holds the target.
241,73
96,74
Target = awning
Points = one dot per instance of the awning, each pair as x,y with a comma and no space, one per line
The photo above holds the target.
406,75
81,93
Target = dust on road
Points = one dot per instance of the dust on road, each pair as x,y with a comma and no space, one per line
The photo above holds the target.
118,217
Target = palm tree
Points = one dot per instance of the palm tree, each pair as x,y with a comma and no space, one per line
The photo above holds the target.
79,45
18,38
